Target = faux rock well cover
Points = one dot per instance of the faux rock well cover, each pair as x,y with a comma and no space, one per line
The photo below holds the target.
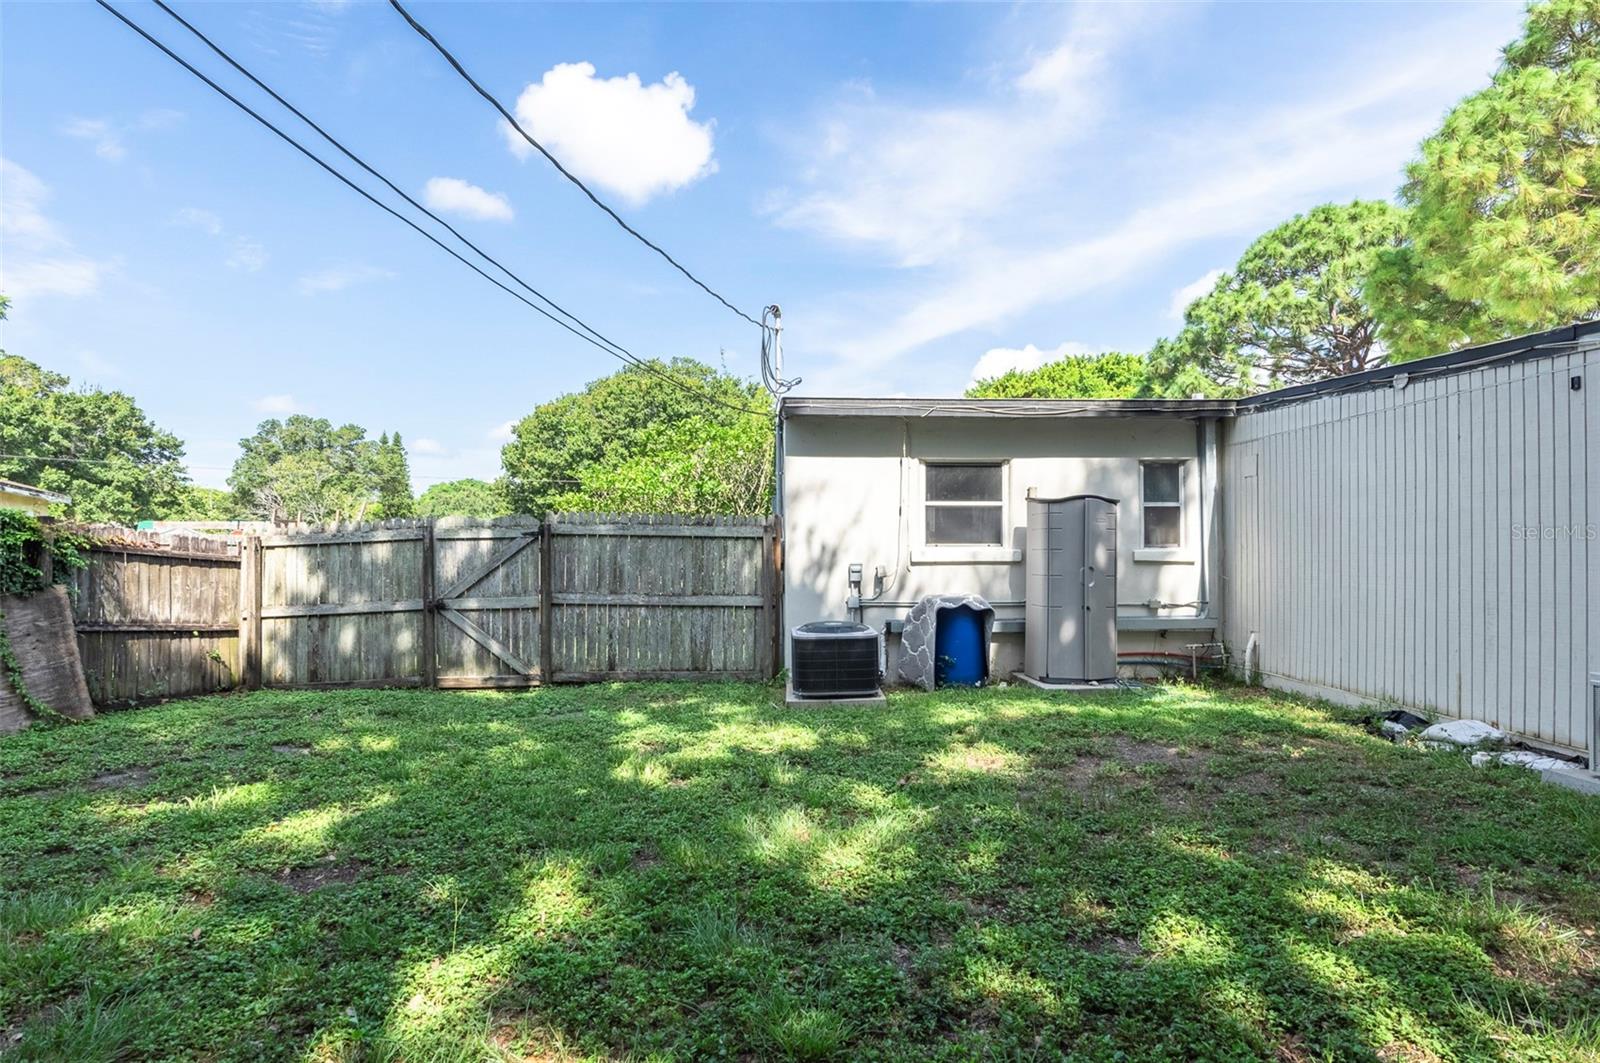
917,639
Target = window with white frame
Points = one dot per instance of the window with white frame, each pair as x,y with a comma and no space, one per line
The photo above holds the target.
964,504
1161,499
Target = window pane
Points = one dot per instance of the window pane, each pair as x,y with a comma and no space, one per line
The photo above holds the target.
1163,525
1162,482
965,525
963,483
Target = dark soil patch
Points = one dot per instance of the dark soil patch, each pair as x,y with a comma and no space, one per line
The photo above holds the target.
293,749
645,858
117,780
320,876
1114,945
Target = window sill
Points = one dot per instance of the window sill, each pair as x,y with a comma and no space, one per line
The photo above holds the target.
1164,556
964,555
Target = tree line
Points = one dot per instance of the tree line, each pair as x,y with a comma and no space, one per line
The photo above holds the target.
1496,233
628,442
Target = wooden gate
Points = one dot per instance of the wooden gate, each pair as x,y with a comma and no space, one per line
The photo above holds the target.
484,597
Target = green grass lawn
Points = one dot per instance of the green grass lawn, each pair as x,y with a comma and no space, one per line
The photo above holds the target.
698,871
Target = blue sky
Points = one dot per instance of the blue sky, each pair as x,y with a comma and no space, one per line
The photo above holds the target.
920,188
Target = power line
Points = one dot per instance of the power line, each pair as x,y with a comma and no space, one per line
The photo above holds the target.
353,157
497,105
619,353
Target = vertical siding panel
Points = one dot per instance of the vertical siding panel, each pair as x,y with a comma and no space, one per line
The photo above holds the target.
1544,614
1370,460
1410,689
1533,560
1516,551
1563,663
1497,587
1591,443
1528,567
1476,567
1446,564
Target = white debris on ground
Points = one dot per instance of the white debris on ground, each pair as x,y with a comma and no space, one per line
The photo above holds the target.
1394,729
1465,733
1525,758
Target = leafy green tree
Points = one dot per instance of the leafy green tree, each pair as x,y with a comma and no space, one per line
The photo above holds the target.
693,466
461,498
204,503
611,421
1290,312
393,474
1505,199
305,469
97,446
1080,376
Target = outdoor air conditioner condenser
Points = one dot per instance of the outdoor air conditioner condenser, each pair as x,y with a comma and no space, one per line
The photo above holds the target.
834,659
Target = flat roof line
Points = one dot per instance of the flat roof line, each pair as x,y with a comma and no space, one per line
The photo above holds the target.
1517,348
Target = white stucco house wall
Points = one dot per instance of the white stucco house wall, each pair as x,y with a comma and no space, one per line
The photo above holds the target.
929,496
1426,534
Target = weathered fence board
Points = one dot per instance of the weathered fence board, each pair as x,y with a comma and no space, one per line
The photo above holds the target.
658,597
157,615
342,605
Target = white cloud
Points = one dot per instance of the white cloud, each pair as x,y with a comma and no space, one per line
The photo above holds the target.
1041,230
1000,360
920,183
246,254
107,141
109,138
457,196
160,118
277,405
35,258
426,446
1201,285
243,253
207,221
633,139
502,433
338,278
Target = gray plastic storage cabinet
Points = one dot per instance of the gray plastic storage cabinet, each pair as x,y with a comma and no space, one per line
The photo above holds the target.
1071,634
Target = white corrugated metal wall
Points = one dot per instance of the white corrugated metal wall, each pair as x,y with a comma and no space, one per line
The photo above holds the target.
1432,544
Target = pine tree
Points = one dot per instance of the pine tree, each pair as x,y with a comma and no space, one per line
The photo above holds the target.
394,479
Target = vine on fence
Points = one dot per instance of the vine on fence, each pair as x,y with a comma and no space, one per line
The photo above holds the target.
23,537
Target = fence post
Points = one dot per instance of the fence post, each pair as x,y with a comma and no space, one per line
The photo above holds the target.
250,613
430,615
546,601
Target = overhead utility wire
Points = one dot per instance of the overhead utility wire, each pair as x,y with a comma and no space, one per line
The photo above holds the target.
353,157
619,353
497,105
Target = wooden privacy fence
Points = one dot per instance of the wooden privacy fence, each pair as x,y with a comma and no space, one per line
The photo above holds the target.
509,602
157,615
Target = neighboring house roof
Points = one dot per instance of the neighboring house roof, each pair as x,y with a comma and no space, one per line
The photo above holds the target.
30,491
1520,348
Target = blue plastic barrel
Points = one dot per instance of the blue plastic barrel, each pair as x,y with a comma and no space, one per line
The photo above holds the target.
958,648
